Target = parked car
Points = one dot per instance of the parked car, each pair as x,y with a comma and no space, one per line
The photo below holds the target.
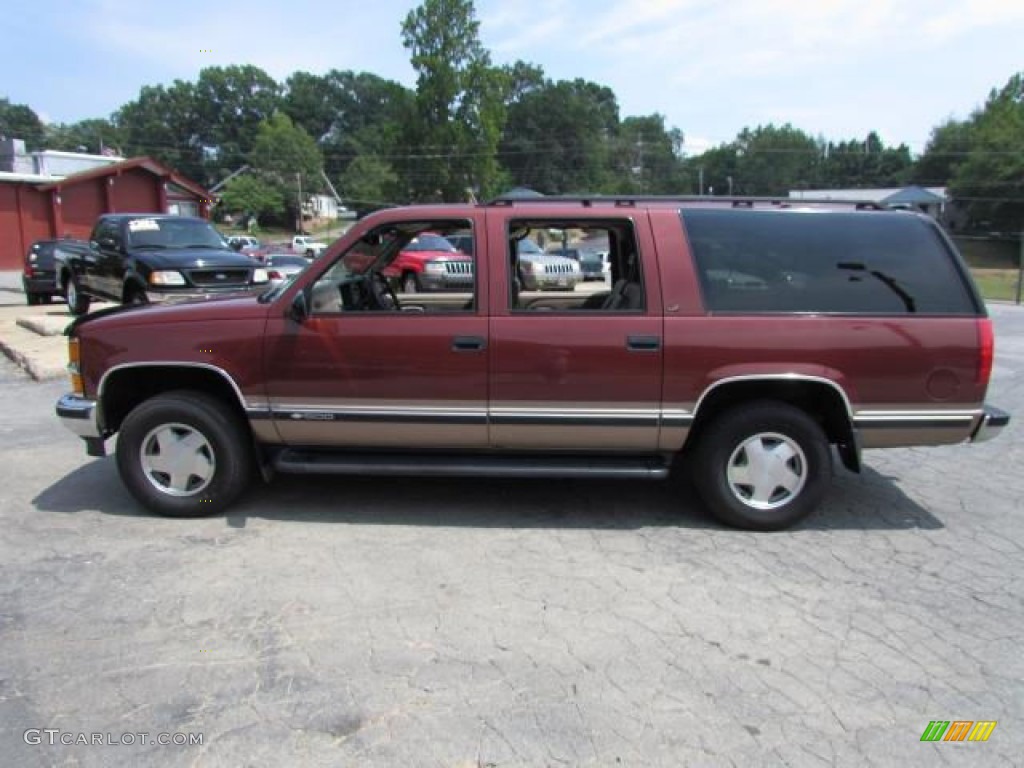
307,246
539,271
283,266
38,274
592,264
747,342
429,262
137,258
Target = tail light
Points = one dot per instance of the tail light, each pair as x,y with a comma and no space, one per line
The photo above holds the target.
274,275
986,353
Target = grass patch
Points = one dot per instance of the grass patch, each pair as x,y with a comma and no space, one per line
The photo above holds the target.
1000,284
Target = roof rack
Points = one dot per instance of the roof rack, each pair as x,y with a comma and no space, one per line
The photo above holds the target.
631,201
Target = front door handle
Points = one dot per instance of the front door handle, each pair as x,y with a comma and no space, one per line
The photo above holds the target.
468,343
643,343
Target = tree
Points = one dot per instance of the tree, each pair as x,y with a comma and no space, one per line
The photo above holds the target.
286,158
558,138
771,160
230,105
163,123
646,157
249,195
947,148
368,182
460,101
19,121
92,135
990,180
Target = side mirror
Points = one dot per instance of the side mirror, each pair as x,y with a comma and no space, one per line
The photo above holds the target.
107,242
299,309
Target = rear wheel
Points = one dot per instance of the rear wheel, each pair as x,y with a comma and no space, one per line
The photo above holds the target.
78,303
762,466
135,296
184,454
33,299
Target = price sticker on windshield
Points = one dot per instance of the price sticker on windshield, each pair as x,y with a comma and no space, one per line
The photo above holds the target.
143,225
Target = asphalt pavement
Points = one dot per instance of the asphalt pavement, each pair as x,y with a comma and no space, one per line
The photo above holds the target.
368,622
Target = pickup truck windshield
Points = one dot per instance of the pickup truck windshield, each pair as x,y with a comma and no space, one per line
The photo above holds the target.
173,233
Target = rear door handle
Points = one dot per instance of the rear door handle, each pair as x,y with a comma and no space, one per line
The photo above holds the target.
643,343
468,343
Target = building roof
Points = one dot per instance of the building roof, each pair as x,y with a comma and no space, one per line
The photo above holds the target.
115,169
914,196
938,194
24,178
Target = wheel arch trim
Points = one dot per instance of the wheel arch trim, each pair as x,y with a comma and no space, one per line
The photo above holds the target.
784,377
171,364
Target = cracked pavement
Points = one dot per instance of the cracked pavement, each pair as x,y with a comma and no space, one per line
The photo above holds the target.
371,622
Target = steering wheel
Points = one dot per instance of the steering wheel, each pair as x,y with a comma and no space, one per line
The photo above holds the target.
382,295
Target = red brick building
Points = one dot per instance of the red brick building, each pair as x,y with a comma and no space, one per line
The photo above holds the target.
39,208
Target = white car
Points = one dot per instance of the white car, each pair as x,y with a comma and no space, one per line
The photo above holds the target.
307,245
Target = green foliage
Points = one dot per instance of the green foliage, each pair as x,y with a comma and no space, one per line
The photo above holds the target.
230,104
18,121
286,158
368,182
163,124
990,179
558,137
93,135
460,101
250,195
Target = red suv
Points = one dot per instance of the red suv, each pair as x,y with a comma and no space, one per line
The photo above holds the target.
429,262
744,337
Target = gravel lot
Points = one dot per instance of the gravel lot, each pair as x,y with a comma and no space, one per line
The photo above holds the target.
471,623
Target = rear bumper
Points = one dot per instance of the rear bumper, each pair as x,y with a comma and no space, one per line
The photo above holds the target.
990,425
42,284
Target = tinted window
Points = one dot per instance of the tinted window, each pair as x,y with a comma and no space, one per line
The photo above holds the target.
779,261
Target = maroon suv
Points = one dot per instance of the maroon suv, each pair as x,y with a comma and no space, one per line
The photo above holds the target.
746,337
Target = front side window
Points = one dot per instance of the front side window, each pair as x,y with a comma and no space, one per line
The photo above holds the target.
406,267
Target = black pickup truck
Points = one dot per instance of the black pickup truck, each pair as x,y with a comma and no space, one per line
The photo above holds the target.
137,258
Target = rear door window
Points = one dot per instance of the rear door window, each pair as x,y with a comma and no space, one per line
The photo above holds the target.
824,262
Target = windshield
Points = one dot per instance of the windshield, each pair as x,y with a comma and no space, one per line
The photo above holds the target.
430,243
173,233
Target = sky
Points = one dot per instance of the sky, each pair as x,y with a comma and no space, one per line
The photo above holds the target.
833,68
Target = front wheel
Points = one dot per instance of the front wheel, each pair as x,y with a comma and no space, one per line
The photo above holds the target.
762,466
410,284
184,454
78,303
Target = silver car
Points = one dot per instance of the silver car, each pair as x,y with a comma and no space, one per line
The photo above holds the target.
541,271
283,266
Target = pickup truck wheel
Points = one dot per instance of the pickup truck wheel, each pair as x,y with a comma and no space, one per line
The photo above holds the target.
762,466
135,297
184,454
33,299
78,303
309,253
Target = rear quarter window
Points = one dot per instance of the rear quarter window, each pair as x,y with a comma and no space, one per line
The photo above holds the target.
824,262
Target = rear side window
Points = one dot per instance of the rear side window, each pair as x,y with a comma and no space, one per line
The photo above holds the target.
824,262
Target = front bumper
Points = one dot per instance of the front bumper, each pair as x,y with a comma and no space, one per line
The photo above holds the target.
160,297
990,424
43,283
79,415
446,282
551,282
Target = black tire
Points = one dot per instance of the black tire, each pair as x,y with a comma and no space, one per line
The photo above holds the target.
410,283
78,303
309,253
44,298
796,452
135,297
226,449
33,299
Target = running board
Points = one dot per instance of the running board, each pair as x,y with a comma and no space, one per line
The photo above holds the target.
321,462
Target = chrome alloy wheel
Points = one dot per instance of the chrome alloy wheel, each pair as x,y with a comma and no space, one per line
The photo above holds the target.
767,470
177,460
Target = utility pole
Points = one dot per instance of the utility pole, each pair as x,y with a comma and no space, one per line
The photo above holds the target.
640,159
298,179
700,190
1020,267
